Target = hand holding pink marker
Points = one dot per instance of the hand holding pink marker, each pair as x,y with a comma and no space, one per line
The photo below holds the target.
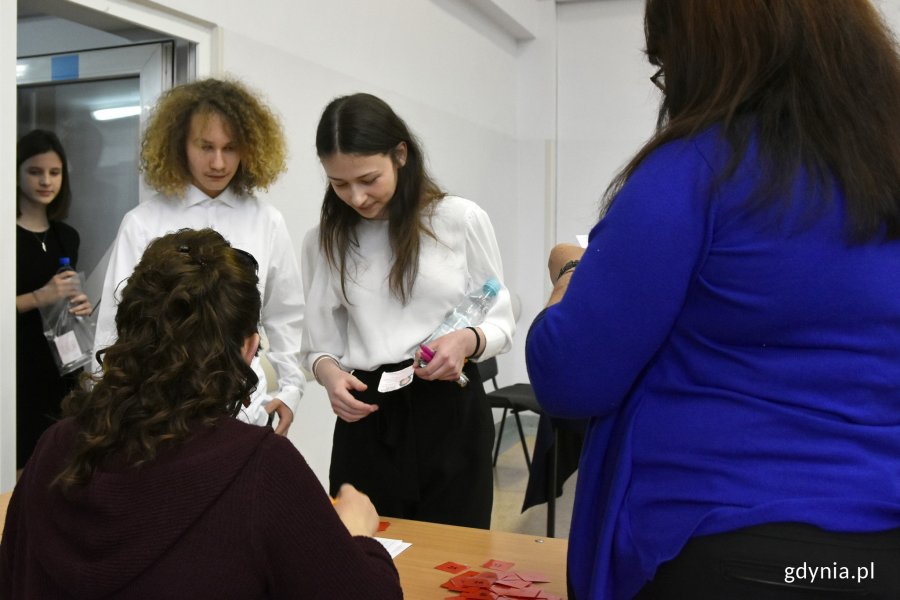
427,355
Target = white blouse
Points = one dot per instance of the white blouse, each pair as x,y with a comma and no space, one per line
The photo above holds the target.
374,328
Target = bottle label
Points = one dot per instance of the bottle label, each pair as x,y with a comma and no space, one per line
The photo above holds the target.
67,346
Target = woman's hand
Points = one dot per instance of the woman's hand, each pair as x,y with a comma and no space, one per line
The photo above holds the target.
338,384
450,352
285,415
62,285
80,306
356,511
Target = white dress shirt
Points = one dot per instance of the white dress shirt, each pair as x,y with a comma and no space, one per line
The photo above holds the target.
374,328
249,224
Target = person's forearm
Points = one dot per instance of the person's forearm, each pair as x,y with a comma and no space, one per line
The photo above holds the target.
559,288
26,302
30,301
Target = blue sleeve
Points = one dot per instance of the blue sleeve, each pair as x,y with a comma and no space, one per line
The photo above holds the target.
585,352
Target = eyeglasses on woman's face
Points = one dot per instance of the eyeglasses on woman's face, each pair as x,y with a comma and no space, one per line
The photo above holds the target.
659,79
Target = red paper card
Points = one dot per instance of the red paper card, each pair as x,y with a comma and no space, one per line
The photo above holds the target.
533,576
478,581
383,525
517,584
451,567
457,582
498,565
477,594
529,592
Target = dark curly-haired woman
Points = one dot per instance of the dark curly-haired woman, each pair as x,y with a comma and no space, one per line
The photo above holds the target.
150,489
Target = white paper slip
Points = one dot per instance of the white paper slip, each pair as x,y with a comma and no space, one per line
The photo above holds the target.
67,346
396,380
394,547
582,240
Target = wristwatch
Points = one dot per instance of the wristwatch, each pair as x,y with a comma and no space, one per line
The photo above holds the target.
567,267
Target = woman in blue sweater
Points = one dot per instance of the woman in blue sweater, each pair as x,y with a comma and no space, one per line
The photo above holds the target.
733,329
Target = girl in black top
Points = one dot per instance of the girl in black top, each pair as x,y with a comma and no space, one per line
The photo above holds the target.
42,201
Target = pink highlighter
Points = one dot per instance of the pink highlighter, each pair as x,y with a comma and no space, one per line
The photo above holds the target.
427,355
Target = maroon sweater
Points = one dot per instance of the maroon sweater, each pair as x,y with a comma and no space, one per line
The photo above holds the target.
233,513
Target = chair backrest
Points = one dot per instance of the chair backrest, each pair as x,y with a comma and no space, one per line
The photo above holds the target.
487,369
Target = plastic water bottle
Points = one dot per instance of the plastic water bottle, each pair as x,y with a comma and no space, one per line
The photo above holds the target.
70,337
65,265
470,312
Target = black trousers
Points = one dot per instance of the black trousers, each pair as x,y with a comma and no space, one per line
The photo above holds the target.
425,454
782,561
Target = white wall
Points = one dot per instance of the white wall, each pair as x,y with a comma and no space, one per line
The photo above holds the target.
607,105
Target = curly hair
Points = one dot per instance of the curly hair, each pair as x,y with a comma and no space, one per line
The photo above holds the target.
364,124
177,365
815,82
40,141
255,128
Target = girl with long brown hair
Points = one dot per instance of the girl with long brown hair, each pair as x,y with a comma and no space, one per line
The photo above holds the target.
391,256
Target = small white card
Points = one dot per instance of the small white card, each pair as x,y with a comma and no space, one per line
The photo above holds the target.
394,381
582,240
394,547
67,346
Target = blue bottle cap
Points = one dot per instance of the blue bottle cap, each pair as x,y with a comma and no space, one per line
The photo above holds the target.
491,287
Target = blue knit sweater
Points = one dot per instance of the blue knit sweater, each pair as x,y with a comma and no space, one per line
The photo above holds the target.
737,367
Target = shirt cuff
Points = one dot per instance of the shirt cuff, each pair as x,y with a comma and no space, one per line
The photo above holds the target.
290,395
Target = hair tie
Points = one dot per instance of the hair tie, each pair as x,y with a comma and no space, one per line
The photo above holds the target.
477,343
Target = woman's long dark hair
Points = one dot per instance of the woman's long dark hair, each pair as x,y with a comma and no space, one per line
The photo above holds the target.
363,124
177,365
39,141
815,82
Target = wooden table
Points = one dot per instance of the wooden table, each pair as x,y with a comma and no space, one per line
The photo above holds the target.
4,502
434,544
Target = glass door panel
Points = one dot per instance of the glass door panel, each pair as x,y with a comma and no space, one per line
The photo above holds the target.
96,102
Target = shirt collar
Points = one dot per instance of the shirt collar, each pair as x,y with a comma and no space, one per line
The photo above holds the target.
195,196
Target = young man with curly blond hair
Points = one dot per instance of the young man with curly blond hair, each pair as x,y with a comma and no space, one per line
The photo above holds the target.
208,146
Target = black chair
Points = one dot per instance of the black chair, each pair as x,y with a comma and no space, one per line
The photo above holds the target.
511,398
557,446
